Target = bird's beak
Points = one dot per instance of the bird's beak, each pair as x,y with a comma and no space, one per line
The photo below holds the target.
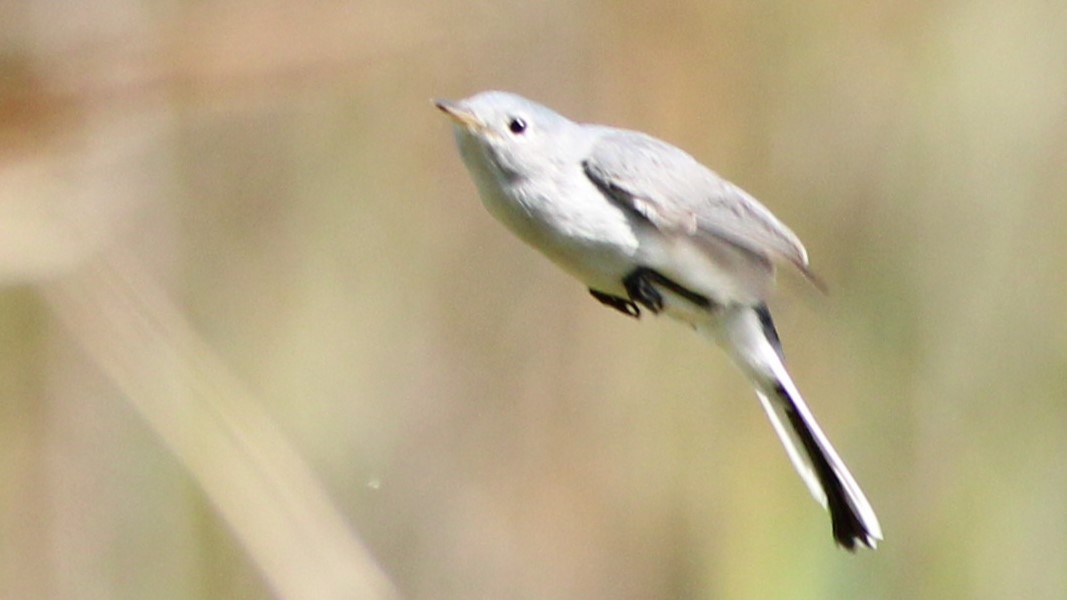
460,115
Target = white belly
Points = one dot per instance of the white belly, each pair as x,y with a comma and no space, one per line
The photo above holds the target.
599,243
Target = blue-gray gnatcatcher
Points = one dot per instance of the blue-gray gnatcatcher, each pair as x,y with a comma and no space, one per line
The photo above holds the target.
642,224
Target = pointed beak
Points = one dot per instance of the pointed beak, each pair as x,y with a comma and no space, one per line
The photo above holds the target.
459,115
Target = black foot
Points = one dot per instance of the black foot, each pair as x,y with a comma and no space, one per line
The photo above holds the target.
622,305
641,285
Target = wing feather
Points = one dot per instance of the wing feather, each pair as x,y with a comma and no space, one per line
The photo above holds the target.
675,193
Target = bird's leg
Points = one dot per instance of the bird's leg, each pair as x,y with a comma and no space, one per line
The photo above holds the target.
641,285
626,307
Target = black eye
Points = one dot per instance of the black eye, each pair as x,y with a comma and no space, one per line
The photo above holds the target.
517,125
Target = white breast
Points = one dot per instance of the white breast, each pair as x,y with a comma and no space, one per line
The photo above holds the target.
574,225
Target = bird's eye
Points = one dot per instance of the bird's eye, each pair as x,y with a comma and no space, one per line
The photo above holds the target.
517,125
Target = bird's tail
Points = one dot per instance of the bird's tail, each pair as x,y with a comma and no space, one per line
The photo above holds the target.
748,335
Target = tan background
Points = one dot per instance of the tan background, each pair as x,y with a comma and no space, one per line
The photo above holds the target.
258,337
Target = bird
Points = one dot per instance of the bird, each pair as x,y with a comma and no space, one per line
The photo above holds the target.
644,226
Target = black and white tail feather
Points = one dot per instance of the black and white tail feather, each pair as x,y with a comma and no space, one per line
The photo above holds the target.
749,336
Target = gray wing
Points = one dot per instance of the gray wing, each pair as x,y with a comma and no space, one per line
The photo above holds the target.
675,193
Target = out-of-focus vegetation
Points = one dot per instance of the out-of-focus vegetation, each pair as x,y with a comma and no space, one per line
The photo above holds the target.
260,339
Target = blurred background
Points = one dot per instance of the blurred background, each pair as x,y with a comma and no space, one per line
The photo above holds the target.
260,338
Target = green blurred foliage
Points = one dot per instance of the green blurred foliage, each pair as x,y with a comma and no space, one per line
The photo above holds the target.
267,191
